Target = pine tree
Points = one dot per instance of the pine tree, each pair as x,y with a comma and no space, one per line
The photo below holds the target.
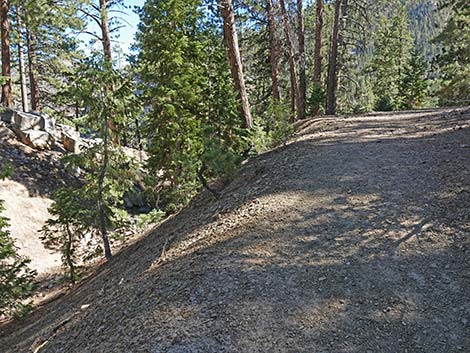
192,116
414,83
393,44
103,14
50,30
96,207
454,61
68,227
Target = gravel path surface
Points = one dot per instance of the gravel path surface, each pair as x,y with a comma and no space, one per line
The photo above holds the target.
352,238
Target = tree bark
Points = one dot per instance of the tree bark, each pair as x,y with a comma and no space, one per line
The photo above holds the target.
274,49
333,63
108,57
100,198
302,63
295,96
105,32
22,69
33,84
233,52
6,70
317,60
69,253
341,40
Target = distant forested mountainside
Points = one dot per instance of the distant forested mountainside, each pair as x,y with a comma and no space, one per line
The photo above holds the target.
425,23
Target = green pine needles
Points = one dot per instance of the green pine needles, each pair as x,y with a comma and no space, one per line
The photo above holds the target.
194,127
454,59
398,71
83,215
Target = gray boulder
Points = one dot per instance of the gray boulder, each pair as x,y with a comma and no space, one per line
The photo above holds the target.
34,121
6,115
28,121
37,139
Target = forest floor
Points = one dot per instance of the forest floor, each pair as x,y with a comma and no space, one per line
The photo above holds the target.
355,237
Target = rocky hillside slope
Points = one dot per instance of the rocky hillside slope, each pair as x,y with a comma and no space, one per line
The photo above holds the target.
36,175
352,238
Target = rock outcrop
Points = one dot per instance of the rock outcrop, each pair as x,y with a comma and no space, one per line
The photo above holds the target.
29,121
37,139
40,131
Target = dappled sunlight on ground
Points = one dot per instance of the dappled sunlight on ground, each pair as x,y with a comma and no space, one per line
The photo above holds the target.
334,243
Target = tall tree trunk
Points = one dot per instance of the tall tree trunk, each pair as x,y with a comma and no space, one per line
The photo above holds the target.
33,83
6,72
108,57
317,60
344,20
295,96
22,69
32,71
333,63
231,41
302,63
274,49
100,198
105,32
69,253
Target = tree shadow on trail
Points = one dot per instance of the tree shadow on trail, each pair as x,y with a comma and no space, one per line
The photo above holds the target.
354,246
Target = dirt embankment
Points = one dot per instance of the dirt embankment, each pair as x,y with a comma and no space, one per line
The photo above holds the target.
36,175
353,238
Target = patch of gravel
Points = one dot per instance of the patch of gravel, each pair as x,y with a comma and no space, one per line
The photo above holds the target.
352,238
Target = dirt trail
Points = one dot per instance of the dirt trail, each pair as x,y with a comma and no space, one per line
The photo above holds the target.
353,238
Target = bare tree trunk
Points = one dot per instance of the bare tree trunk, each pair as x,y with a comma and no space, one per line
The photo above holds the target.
138,136
33,84
6,72
302,63
341,41
108,57
333,63
293,76
317,61
105,32
274,47
24,92
108,125
100,198
231,41
68,253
